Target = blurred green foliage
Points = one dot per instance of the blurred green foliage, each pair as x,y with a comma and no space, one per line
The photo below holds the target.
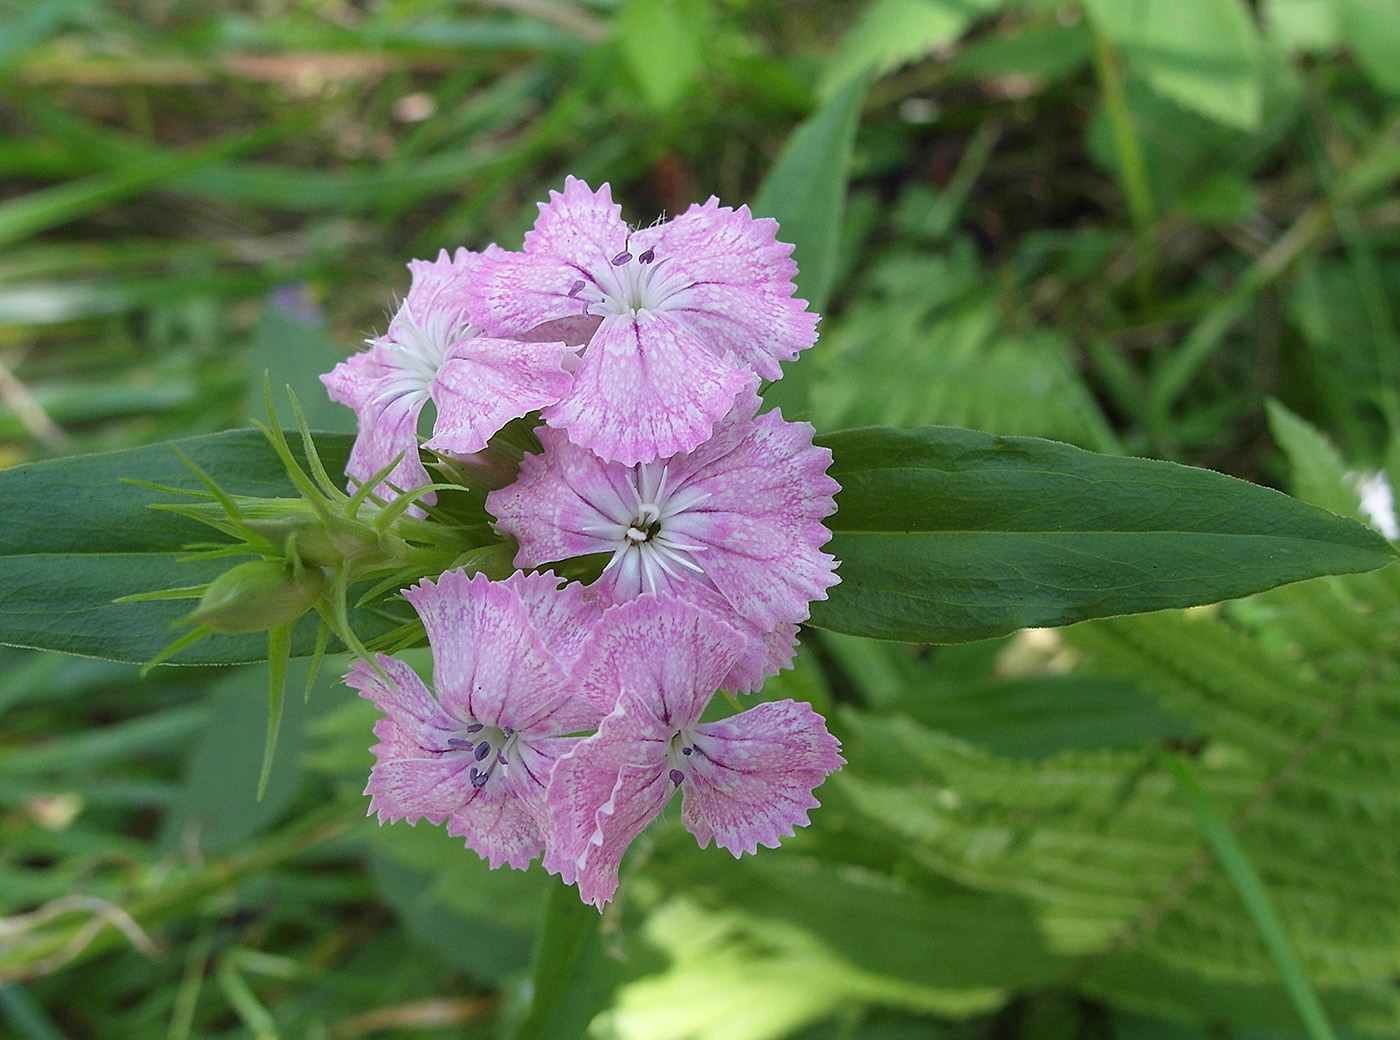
1125,224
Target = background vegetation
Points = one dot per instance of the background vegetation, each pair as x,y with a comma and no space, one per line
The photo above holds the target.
1144,227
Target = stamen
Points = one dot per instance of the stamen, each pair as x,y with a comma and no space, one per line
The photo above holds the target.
647,257
476,727
621,258
478,778
482,750
578,287
458,744
687,750
676,777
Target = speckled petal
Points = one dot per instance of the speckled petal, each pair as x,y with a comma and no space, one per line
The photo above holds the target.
577,231
751,777
769,493
490,664
601,796
740,298
497,825
414,776
759,491
671,653
646,388
388,421
557,497
487,382
403,697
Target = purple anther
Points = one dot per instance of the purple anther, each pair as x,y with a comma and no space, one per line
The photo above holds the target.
577,288
478,778
482,750
647,257
458,744
476,727
621,258
508,731
676,777
687,750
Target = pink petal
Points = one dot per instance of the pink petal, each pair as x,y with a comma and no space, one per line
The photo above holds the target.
750,780
769,493
741,295
411,709
646,388
760,494
485,383
563,617
498,826
670,654
489,663
638,797
578,226
412,778
514,293
600,797
558,495
418,788
758,326
577,231
717,244
388,421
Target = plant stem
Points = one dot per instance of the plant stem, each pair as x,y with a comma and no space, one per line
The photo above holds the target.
1132,170
1245,878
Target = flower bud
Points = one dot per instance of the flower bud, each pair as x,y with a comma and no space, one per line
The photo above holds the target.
257,596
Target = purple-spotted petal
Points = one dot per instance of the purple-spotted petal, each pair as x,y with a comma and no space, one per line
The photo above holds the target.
497,825
646,388
749,781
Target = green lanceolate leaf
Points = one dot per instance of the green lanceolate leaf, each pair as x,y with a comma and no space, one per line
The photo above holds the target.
74,536
947,535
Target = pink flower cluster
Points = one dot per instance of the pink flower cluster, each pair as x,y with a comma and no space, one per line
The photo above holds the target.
565,717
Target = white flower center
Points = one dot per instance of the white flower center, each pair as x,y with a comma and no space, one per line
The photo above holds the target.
679,753
418,348
628,285
649,536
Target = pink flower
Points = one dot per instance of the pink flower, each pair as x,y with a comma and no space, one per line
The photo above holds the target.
746,780
691,310
432,351
735,524
479,754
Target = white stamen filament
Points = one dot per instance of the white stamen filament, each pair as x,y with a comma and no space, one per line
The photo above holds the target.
640,284
645,555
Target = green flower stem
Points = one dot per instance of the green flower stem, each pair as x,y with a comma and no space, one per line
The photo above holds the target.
1245,878
572,978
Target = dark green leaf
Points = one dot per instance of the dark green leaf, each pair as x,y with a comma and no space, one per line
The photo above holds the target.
946,535
806,192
